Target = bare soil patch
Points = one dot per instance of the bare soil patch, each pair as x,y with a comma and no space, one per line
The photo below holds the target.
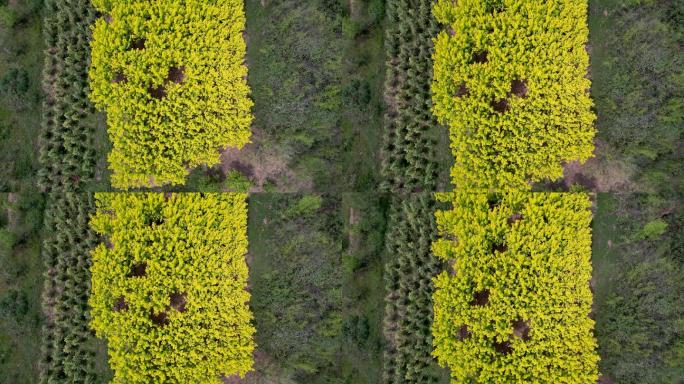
600,173
462,90
120,304
138,270
178,301
514,217
263,164
500,106
500,247
463,333
480,57
176,75
521,329
519,88
119,77
160,319
138,43
158,92
503,348
480,298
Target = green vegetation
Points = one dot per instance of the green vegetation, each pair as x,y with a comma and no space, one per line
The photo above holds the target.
168,286
637,74
514,305
408,277
172,79
639,281
20,94
510,82
415,153
70,351
20,287
316,75
316,273
637,77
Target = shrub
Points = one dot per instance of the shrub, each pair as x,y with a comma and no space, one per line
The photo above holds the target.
653,229
237,182
7,241
515,305
172,79
306,206
15,82
168,286
509,81
409,288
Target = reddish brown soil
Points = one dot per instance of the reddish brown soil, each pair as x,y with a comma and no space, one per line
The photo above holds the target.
160,319
503,348
500,106
138,43
176,75
499,247
514,217
480,57
158,92
119,77
462,90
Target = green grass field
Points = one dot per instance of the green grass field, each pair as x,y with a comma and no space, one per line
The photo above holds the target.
316,284
21,285
637,74
21,60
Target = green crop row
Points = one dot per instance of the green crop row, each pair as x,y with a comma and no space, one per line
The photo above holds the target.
67,155
409,288
409,159
68,347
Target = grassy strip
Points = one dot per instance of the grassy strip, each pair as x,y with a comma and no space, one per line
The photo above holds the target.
20,93
315,269
20,287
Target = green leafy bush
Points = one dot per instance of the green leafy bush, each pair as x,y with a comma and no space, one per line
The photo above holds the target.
237,182
653,229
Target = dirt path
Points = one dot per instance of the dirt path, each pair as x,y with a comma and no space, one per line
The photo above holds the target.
354,219
600,173
12,216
